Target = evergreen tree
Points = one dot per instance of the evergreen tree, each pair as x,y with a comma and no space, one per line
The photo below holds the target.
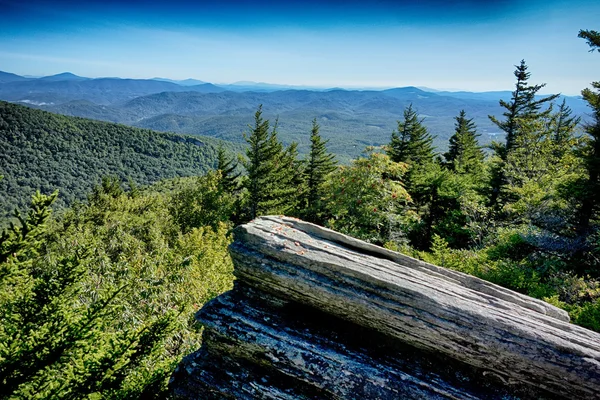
411,143
292,179
562,124
523,105
54,345
592,38
530,170
464,153
268,167
319,164
229,179
591,201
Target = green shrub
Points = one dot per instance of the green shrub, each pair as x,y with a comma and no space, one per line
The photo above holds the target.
587,315
100,303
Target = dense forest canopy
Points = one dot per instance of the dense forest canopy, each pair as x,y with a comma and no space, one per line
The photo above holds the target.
44,151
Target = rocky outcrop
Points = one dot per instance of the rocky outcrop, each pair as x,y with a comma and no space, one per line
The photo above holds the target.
317,314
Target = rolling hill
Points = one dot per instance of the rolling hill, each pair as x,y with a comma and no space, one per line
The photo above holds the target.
46,151
351,119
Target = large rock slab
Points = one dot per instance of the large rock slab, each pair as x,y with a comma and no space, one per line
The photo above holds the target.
452,335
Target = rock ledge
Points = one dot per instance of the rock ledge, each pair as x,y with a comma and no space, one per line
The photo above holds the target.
317,314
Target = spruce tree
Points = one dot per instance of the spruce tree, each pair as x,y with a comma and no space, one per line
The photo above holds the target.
292,182
464,153
319,164
229,179
563,124
268,181
538,181
411,143
523,105
592,38
590,200
58,341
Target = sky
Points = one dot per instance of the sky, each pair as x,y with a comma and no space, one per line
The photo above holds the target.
456,45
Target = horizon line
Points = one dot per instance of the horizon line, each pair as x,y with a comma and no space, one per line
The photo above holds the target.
289,86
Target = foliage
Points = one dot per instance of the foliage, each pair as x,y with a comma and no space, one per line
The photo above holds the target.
590,201
444,197
439,190
99,303
319,164
201,201
464,153
43,151
411,143
229,179
563,125
592,38
271,170
536,171
523,107
367,199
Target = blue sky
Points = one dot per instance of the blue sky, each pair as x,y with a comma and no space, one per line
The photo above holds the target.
466,44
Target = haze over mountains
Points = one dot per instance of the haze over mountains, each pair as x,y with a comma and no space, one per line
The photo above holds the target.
351,119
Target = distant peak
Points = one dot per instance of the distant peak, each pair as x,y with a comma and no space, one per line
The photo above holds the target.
63,76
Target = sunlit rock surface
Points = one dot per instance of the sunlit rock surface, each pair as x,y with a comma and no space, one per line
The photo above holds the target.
317,314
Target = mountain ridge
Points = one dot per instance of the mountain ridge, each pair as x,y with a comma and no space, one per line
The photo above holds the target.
45,151
351,119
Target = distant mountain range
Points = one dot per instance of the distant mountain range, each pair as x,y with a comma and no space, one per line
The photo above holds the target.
66,87
351,119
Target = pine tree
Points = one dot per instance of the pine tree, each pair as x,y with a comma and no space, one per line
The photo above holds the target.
592,38
411,143
292,179
464,153
319,164
229,180
563,124
591,201
268,179
523,105
56,344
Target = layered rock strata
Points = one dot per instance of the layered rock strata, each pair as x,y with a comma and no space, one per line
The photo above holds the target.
317,314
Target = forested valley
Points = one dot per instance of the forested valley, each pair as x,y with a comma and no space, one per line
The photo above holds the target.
98,298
